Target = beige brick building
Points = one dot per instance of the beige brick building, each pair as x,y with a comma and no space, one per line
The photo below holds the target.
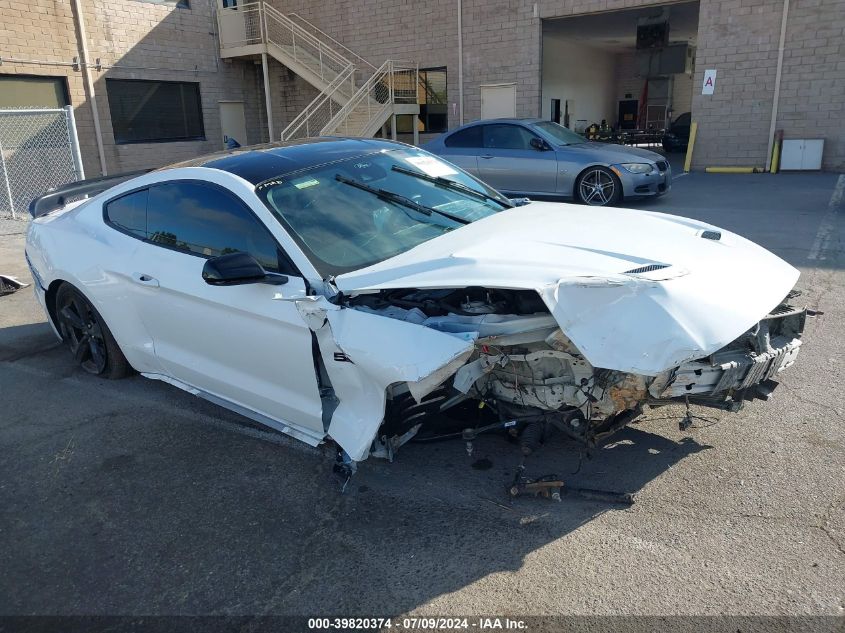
500,46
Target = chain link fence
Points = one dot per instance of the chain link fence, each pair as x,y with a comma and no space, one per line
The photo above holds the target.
39,149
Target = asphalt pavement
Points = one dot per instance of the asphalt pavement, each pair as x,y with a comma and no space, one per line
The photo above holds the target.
132,497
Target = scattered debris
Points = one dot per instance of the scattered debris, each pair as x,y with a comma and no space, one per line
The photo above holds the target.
9,284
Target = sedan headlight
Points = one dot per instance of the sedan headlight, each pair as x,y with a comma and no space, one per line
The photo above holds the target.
638,168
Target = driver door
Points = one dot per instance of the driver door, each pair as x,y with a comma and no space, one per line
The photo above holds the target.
240,343
508,161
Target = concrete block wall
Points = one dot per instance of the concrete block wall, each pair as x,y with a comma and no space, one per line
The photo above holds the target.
423,32
740,39
502,44
133,40
812,96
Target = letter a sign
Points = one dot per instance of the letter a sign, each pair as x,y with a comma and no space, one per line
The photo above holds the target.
709,82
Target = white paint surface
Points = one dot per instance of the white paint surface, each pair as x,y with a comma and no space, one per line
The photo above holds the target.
583,75
575,257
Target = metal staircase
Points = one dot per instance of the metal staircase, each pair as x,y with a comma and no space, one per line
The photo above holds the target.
355,98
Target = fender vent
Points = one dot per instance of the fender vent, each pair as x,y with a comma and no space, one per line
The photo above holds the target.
712,235
646,269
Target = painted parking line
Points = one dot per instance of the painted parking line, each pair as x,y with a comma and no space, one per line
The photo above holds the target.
827,228
674,178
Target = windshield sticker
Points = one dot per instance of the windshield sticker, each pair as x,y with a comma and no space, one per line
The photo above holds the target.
304,184
269,183
431,166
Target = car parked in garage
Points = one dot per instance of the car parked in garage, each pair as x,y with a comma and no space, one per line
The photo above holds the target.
676,136
354,289
543,159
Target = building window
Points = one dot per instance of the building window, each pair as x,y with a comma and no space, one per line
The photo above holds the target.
31,91
433,100
155,111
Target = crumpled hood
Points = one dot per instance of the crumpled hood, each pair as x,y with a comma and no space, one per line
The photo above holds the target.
579,259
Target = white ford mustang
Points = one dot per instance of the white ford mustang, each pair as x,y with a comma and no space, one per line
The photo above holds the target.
351,290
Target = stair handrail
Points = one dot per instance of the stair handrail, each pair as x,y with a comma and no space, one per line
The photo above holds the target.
299,31
242,13
362,93
363,63
387,69
313,108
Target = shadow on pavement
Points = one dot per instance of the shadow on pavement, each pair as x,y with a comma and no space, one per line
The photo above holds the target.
131,497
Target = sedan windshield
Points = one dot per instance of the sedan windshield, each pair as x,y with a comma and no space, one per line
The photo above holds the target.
560,134
357,212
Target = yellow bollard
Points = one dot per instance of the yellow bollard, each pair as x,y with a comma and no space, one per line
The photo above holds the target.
692,131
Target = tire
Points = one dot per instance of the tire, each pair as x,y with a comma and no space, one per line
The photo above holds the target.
87,335
598,187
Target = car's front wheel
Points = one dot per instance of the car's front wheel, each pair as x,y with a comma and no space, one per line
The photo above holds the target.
598,186
86,334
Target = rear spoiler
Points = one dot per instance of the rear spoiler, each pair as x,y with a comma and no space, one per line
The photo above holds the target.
56,198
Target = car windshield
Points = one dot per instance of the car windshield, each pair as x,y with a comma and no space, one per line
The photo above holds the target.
354,213
561,135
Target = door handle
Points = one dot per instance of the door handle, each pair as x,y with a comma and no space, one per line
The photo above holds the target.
145,280
486,156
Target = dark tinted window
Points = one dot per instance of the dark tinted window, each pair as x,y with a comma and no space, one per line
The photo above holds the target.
203,220
129,213
504,136
470,137
154,111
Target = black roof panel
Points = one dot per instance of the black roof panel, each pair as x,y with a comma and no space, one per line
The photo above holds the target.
258,163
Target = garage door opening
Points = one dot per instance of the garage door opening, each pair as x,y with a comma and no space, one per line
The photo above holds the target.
621,76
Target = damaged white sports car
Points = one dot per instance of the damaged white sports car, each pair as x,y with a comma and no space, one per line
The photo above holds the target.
352,290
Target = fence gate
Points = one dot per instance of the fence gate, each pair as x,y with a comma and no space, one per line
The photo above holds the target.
39,149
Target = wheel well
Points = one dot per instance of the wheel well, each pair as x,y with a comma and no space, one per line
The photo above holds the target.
50,300
585,170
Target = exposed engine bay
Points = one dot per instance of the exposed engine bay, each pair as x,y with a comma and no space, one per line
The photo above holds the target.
526,370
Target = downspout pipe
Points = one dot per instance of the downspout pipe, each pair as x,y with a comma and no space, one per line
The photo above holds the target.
773,124
89,85
268,103
460,62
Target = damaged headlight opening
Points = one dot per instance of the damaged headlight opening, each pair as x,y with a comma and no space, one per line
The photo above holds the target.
526,369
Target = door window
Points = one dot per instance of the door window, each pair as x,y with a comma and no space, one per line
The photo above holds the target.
206,221
502,136
469,137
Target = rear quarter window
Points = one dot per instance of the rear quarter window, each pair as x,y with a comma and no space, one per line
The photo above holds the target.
129,213
470,137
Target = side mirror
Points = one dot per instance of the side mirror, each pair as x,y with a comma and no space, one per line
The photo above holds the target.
539,144
237,269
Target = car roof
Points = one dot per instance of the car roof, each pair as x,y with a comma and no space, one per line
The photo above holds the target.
258,163
502,120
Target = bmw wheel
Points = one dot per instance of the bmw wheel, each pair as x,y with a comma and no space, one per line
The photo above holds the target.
598,186
86,334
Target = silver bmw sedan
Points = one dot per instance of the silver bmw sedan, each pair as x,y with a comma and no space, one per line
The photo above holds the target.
540,158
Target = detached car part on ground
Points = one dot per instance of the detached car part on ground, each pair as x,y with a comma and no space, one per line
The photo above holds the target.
354,290
9,284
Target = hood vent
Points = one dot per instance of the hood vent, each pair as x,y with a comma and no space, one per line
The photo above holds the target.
646,269
712,235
